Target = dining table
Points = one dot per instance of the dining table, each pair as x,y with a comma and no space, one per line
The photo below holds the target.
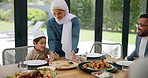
62,73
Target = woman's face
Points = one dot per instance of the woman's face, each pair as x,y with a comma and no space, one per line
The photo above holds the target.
40,46
58,13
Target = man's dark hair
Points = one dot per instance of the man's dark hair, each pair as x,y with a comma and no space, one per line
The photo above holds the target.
144,16
38,39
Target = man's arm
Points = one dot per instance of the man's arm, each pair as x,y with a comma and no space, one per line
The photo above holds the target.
131,57
134,53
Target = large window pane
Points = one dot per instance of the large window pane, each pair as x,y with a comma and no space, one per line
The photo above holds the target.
38,10
6,25
112,22
85,11
137,8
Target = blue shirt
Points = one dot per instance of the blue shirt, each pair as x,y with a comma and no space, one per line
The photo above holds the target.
54,32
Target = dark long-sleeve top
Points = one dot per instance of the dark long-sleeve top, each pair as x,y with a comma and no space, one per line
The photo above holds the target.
54,32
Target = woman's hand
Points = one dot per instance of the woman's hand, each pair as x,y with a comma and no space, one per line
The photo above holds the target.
136,58
51,56
74,57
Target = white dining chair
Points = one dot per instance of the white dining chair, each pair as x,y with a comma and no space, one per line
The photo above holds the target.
15,55
108,49
29,23
36,26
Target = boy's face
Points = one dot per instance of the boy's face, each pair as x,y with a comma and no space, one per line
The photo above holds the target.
40,46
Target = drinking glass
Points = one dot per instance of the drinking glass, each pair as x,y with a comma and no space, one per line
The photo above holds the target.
23,67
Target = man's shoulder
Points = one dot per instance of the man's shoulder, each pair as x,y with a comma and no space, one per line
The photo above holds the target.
138,37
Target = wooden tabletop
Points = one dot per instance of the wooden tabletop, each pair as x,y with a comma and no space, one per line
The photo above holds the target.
78,73
68,73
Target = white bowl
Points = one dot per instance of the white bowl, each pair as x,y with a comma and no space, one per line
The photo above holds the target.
104,74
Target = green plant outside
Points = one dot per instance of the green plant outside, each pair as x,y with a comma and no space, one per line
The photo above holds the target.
6,26
33,15
36,15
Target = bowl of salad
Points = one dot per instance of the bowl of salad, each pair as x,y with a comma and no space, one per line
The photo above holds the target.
96,66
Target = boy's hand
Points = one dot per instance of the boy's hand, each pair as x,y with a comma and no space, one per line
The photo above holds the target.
73,54
51,56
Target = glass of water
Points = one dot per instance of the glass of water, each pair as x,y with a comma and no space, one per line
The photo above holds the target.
23,67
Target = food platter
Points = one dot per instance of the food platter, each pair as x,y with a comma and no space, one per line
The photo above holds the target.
39,73
124,63
64,64
81,66
35,62
106,68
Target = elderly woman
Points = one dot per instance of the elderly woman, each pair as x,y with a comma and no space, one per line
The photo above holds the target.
63,31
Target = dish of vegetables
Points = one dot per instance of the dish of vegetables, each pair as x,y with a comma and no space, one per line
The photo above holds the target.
98,65
39,73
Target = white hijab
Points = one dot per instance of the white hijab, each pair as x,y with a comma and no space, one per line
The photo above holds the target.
67,26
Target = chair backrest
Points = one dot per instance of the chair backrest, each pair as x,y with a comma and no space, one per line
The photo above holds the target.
37,26
108,49
15,55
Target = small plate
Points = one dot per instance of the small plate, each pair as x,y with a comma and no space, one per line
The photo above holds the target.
102,74
125,63
50,67
93,55
35,62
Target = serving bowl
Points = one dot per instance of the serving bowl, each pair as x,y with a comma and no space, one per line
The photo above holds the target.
103,74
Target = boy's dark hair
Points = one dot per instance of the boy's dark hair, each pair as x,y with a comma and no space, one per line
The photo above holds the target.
38,39
144,15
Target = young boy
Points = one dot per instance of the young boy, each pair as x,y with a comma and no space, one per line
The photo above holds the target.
40,52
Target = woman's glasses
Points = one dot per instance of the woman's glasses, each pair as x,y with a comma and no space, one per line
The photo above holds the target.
138,25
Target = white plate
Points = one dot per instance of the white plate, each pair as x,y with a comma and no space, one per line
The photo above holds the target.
94,55
125,63
35,62
50,67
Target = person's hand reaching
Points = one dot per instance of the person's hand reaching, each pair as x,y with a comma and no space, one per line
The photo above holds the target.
51,56
74,57
136,58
